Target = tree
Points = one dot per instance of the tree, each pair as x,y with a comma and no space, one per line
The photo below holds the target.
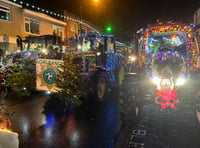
71,87
22,76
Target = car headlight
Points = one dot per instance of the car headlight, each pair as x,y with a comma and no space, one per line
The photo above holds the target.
180,81
156,80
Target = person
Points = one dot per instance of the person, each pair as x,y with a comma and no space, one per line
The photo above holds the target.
58,55
50,52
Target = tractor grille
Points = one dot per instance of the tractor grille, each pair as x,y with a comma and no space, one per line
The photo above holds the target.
176,66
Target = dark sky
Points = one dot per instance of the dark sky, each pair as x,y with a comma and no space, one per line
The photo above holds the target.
126,16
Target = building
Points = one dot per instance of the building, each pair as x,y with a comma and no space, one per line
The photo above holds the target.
19,19
10,22
76,26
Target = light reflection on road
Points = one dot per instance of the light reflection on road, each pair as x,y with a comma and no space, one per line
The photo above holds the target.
94,124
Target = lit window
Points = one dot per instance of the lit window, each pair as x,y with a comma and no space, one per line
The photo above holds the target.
32,26
74,27
4,13
58,30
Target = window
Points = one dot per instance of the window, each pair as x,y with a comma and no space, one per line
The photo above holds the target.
32,26
58,30
4,13
74,27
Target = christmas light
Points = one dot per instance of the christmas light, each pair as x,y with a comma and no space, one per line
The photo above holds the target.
52,13
5,130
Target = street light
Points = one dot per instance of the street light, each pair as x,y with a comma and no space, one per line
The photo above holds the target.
81,5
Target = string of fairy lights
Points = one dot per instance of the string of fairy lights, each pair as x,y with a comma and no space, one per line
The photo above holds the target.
51,13
186,61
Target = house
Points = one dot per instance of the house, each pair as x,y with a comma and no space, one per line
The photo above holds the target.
19,20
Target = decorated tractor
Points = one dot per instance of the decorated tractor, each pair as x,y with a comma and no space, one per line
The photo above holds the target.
100,66
167,57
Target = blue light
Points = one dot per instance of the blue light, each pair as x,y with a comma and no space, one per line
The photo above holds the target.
50,119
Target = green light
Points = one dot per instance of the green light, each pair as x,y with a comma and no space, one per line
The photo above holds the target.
109,29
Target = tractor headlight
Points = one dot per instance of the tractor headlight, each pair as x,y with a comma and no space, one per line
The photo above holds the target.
44,51
180,81
132,58
156,80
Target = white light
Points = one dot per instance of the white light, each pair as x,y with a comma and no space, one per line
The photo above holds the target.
180,81
98,53
44,50
48,92
79,47
132,58
24,88
156,80
29,53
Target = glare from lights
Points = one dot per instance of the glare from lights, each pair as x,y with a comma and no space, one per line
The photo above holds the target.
44,50
132,58
79,47
180,81
156,80
98,53
48,92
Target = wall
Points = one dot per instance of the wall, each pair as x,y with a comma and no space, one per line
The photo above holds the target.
11,28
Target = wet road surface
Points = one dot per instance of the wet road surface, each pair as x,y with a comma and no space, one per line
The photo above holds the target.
177,128
94,124
164,128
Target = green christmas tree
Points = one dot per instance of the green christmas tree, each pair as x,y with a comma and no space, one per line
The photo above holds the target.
71,87
22,76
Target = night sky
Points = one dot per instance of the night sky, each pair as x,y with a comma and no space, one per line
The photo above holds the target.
125,16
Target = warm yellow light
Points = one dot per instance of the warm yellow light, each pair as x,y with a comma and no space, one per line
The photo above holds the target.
96,0
5,130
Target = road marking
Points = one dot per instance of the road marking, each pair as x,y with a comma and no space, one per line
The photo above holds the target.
137,138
